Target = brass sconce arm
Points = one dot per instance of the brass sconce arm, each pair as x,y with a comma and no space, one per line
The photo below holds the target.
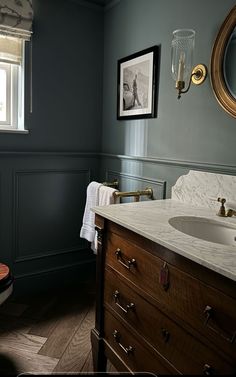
198,76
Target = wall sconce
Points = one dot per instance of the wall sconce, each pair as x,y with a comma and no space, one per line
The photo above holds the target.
181,61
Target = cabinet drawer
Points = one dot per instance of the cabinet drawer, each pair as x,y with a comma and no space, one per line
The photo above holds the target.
177,345
137,356
208,310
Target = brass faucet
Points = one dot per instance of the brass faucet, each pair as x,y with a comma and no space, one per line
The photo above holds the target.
222,211
230,212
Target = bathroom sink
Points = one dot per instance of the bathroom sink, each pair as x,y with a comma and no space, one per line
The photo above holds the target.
205,229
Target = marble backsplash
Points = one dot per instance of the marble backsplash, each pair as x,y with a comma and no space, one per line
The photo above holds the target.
200,188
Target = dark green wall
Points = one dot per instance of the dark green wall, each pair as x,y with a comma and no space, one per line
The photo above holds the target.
67,80
193,132
44,174
75,137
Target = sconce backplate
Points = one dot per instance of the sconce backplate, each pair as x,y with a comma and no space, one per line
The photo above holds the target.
199,74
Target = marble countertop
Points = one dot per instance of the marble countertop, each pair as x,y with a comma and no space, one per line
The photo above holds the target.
151,220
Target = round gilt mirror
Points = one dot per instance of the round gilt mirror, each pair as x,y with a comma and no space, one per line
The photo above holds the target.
223,63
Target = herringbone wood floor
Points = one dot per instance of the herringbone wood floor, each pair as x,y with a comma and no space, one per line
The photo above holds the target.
49,332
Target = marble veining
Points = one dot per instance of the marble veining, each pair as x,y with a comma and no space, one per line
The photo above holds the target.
199,188
151,220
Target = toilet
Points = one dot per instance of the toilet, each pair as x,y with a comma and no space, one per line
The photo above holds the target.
6,282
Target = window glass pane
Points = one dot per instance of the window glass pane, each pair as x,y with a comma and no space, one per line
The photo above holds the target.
3,95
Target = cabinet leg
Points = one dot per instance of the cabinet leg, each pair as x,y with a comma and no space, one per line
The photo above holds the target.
99,358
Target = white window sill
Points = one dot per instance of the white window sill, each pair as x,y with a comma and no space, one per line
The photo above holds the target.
13,131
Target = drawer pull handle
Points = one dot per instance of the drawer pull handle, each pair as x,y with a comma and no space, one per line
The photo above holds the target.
208,370
209,313
128,349
164,277
125,309
127,264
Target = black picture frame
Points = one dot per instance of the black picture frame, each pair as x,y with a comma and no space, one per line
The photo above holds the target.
137,84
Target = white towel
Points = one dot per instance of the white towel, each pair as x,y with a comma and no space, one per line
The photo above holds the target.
105,197
88,231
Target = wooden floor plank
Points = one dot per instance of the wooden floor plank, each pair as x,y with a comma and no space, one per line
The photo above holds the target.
111,368
76,354
15,361
65,329
88,365
39,305
64,317
46,325
21,341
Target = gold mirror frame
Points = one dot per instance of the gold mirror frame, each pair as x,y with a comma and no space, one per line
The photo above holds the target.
223,96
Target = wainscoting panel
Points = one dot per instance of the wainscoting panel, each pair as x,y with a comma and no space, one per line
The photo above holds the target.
42,201
49,205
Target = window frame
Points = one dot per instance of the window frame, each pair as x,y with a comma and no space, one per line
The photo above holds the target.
15,96
7,68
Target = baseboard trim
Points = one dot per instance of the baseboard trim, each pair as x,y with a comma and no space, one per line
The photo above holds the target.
55,278
56,269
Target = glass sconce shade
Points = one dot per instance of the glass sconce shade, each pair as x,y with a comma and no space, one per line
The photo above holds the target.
182,47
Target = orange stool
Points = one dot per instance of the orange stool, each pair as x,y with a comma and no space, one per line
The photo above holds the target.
6,282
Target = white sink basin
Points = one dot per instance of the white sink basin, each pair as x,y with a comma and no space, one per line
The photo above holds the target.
205,229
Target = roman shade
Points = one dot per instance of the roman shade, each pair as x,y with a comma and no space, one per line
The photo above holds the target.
16,18
10,50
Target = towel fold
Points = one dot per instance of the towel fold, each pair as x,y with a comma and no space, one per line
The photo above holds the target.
105,197
97,195
87,230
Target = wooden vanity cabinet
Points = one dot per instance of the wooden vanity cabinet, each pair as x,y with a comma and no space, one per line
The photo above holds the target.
159,312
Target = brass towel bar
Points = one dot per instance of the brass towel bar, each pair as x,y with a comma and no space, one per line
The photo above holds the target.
124,194
136,194
114,184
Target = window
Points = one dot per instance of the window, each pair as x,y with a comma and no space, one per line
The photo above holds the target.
12,90
16,19
5,82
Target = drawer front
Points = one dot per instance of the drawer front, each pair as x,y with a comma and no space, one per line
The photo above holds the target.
137,356
183,351
203,307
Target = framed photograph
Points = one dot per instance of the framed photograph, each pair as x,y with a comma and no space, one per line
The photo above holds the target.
137,86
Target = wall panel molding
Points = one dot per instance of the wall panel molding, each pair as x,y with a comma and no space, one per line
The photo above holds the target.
48,254
48,154
19,199
214,167
228,169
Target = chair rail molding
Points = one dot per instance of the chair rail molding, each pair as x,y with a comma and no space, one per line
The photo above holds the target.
212,167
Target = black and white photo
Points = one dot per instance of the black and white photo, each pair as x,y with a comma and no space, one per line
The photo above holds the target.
138,84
